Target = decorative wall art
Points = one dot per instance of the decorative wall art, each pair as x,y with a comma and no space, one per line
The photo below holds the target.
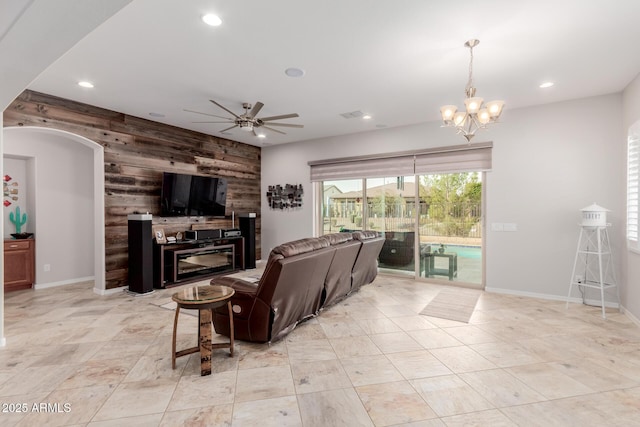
287,197
9,190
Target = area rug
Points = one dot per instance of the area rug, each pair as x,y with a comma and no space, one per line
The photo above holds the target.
453,304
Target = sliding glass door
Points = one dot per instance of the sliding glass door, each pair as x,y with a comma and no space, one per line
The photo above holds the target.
450,227
432,222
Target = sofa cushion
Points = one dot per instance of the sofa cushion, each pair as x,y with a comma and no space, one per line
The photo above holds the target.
365,269
337,284
365,234
298,247
337,238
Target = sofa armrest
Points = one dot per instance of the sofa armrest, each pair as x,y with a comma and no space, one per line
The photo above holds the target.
239,285
244,298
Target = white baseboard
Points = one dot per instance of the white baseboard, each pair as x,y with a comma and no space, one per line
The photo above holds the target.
63,282
525,294
551,297
633,318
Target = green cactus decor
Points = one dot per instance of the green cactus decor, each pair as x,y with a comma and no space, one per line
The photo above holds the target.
18,220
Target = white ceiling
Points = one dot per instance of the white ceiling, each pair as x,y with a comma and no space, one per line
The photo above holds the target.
397,61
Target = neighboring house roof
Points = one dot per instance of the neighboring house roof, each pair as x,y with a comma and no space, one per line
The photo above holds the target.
331,189
388,190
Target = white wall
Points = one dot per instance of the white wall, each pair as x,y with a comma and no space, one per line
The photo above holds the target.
548,163
631,272
64,205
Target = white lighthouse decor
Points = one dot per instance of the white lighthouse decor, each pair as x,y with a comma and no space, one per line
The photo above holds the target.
594,216
593,265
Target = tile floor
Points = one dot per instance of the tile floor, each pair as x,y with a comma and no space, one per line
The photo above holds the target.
371,360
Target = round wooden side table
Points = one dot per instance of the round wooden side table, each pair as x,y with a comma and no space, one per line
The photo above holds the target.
203,299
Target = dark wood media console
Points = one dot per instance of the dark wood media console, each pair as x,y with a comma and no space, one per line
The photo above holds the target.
191,260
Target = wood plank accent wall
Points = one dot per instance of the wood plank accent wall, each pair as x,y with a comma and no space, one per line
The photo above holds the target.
136,152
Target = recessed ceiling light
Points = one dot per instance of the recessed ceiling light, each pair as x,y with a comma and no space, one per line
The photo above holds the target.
261,135
294,72
85,84
211,19
366,117
546,85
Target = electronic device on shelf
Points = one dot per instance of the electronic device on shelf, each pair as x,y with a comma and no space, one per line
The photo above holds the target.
232,232
203,234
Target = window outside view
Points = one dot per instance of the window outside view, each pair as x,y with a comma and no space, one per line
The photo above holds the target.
448,215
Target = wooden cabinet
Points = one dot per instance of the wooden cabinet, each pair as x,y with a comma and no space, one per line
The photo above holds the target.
19,264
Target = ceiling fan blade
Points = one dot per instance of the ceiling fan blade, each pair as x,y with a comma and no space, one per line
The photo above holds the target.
283,116
274,130
205,114
229,121
226,109
229,128
288,125
256,109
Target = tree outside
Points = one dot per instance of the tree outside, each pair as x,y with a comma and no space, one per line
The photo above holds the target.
449,218
451,205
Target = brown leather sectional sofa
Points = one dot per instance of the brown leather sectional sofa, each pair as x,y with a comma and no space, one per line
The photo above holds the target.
300,279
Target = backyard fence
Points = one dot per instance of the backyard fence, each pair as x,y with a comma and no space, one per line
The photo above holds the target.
439,220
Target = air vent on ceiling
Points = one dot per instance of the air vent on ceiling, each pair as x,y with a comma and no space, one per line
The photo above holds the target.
352,115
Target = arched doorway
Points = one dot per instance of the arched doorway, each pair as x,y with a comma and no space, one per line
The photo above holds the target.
98,190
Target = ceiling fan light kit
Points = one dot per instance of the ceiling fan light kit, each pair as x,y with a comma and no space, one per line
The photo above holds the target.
476,115
248,121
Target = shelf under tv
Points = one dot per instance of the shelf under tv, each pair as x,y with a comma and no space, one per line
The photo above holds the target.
193,260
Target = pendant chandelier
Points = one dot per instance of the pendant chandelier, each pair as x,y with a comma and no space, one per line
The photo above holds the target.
477,115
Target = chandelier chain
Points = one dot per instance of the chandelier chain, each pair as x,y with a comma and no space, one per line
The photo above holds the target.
470,81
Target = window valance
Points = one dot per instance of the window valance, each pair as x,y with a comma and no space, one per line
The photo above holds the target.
459,158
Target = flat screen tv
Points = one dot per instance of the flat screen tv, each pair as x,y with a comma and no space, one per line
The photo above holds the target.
193,195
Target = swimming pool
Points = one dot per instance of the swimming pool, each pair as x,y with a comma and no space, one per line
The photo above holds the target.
463,251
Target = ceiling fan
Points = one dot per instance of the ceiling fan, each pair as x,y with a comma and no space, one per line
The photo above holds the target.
248,121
